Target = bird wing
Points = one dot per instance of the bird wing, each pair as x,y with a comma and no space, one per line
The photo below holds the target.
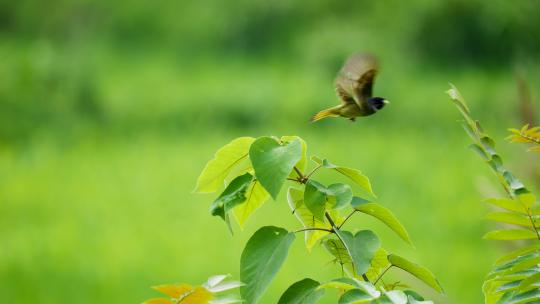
355,79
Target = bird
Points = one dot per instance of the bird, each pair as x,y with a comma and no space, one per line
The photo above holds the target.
354,86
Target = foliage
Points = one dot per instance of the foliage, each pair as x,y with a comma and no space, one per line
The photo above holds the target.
526,135
264,165
208,293
515,277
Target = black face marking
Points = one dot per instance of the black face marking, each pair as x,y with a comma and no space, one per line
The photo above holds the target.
377,102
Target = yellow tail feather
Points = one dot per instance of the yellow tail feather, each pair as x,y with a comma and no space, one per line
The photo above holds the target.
323,114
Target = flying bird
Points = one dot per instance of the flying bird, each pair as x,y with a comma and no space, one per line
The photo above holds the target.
354,86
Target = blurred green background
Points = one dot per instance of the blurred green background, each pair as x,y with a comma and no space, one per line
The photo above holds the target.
110,109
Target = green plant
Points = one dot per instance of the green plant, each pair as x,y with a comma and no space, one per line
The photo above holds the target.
526,135
255,169
515,277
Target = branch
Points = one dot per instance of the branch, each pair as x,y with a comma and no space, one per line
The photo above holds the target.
314,228
382,274
347,218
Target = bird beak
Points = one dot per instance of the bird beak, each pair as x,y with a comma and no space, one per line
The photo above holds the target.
386,101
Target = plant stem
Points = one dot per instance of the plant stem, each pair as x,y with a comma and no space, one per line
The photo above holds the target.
331,221
300,175
313,171
334,230
347,218
382,274
314,228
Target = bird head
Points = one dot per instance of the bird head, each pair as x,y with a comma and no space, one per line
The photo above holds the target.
377,103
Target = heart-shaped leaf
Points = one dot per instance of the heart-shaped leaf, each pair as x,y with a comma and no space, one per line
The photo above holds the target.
256,196
315,199
295,198
361,247
340,195
216,170
305,291
261,259
273,162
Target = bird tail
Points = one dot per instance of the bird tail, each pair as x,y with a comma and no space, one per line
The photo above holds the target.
331,112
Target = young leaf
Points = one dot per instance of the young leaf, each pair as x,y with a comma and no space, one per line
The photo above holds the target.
531,296
355,296
343,284
378,264
315,198
339,195
295,199
384,215
518,252
233,195
174,290
182,293
509,218
301,165
256,196
355,175
361,247
216,170
158,301
336,248
305,291
532,281
274,162
416,270
261,259
526,198
508,204
510,234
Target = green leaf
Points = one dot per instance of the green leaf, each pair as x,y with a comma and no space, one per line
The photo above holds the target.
339,195
384,215
353,174
216,170
396,297
295,199
378,264
274,162
532,281
261,259
531,296
301,165
509,218
341,283
416,270
336,248
315,198
305,291
526,198
510,234
508,204
256,196
513,182
354,296
518,252
480,151
233,195
361,247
